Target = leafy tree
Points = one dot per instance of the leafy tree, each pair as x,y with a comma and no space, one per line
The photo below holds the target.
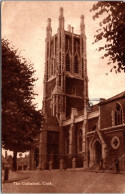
112,29
20,120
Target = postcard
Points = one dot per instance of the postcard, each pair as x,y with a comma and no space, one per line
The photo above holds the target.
63,96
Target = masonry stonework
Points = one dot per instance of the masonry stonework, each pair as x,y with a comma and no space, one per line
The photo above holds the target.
75,134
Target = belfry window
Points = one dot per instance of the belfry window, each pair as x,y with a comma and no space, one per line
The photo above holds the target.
118,114
76,64
67,62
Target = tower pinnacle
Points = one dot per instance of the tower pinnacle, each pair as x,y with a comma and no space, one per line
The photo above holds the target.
82,24
61,11
49,22
48,28
82,19
61,18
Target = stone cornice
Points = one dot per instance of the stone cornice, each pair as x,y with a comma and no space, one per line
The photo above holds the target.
109,130
114,128
80,118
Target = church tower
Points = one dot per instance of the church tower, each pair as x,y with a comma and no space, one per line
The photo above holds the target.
65,87
65,78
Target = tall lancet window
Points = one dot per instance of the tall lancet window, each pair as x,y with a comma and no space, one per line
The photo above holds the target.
67,62
118,114
76,64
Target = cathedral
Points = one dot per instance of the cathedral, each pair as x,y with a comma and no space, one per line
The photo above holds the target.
74,133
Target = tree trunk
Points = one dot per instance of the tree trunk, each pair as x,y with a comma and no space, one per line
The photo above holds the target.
14,161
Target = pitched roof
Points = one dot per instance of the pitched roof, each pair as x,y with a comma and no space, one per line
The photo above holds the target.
118,96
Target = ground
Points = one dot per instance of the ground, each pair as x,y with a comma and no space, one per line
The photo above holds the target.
67,181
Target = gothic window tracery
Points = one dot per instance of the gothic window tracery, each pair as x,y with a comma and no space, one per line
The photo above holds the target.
76,64
77,45
118,114
67,62
68,43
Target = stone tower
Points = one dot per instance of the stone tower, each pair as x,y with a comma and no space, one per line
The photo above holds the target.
65,86
65,78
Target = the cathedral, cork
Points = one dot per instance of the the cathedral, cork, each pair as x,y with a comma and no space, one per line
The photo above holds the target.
75,134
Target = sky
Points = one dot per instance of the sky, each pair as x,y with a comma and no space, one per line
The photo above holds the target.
24,25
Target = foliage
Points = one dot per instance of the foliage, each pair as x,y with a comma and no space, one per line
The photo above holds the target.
112,29
21,122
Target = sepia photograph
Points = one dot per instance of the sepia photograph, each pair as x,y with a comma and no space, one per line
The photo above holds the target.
63,97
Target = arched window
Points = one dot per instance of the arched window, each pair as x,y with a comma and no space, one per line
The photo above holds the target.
76,64
79,140
118,114
67,62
